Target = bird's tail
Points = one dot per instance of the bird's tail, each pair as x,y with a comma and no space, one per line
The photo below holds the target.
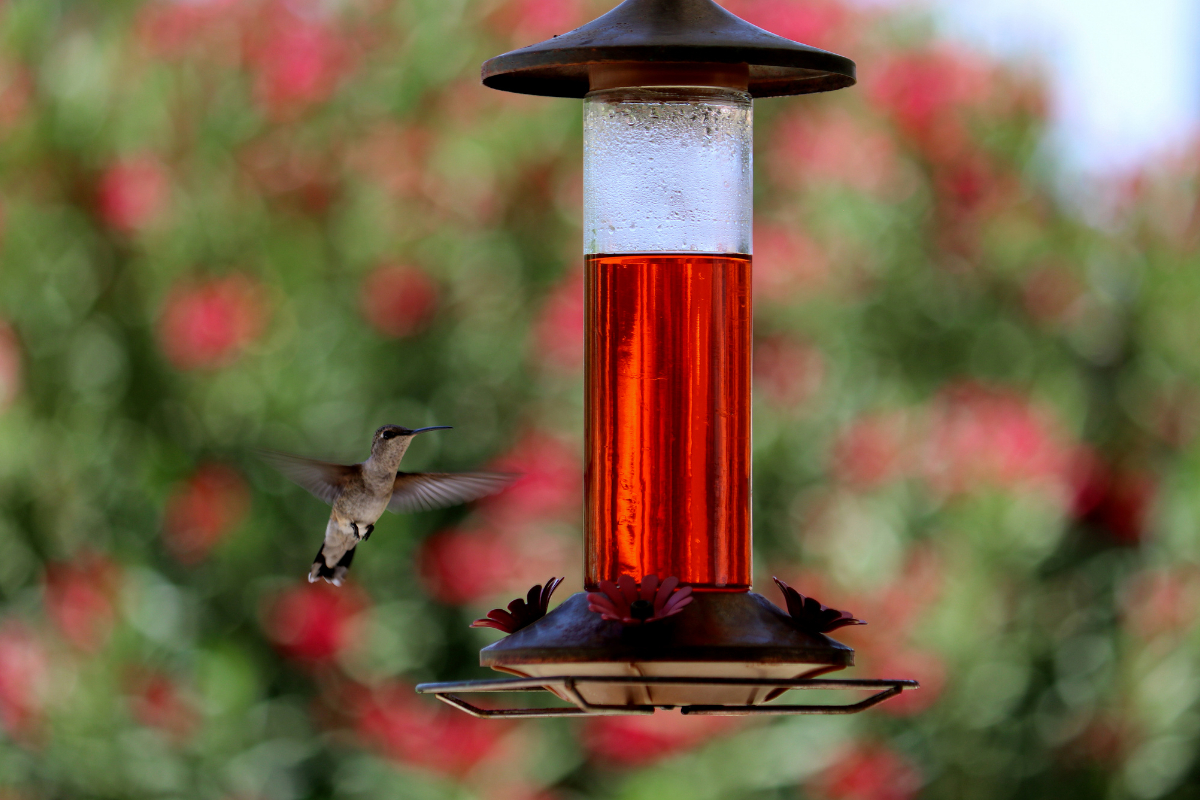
335,574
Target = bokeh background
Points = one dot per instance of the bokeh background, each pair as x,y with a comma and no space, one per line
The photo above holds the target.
237,223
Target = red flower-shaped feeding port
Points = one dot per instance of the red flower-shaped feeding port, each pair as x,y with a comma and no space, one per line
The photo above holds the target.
811,615
631,603
521,613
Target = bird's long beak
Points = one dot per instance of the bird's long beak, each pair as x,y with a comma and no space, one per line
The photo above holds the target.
432,428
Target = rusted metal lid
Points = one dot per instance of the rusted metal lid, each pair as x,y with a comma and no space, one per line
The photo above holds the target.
668,32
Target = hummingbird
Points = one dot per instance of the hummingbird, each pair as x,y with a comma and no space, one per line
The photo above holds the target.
360,493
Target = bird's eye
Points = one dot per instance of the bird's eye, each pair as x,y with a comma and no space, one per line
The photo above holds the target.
388,434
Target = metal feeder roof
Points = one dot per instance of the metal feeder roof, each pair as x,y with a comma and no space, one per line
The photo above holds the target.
668,32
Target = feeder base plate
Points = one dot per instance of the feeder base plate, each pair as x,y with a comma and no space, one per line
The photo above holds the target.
725,649
572,688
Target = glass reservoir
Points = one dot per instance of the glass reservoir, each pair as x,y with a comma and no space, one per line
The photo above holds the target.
667,231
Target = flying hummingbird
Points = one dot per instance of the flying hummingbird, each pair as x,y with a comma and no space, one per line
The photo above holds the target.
360,493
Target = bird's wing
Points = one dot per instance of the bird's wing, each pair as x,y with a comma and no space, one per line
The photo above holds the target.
424,491
323,479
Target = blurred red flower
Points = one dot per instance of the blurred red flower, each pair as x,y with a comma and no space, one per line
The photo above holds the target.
299,177
24,668
923,92
417,732
551,482
786,263
1117,500
314,623
1051,293
637,741
203,509
512,546
80,599
528,21
297,61
787,372
459,566
1175,413
398,300
889,660
870,772
467,566
16,92
558,331
832,148
900,605
393,157
821,23
157,702
133,193
982,435
207,323
1161,601
872,450
178,28
10,366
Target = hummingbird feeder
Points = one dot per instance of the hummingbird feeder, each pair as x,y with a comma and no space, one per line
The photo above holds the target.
668,89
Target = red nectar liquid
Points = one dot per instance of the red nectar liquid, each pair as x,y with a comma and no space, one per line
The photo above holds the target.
668,418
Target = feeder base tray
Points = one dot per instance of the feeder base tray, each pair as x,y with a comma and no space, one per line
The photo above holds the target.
727,653
570,687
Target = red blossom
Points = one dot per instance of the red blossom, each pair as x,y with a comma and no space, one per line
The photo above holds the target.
521,612
398,300
980,435
1115,500
301,178
1051,293
314,623
787,372
632,603
1175,411
156,701
527,21
16,92
925,93
787,263
834,148
638,741
410,730
469,565
871,772
558,330
202,510
24,685
900,604
133,193
393,157
550,486
80,599
297,62
1108,739
888,660
1161,602
207,323
459,566
10,366
821,23
177,29
872,450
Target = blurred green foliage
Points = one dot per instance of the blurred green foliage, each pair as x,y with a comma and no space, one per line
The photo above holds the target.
237,223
